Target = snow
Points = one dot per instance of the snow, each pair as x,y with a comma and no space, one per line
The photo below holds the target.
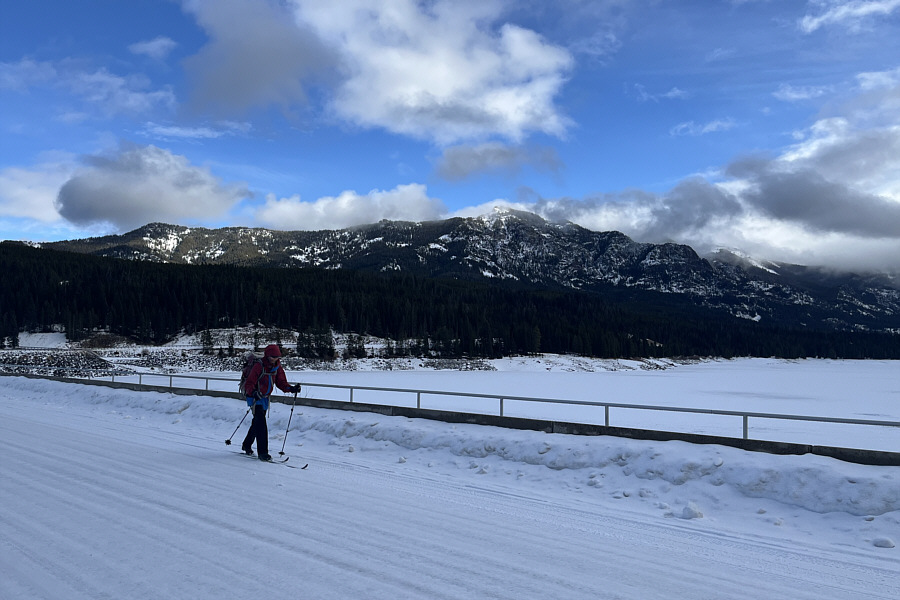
116,493
168,243
866,390
42,340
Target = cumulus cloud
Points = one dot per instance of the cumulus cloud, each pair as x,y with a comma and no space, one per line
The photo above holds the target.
141,184
441,71
808,198
849,14
461,162
688,211
593,29
31,192
864,159
158,48
405,202
257,56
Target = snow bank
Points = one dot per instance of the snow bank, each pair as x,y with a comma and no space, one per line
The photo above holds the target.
668,472
818,484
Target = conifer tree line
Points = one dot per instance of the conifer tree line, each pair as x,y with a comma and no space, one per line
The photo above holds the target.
151,303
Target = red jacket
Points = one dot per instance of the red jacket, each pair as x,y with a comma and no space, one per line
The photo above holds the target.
264,381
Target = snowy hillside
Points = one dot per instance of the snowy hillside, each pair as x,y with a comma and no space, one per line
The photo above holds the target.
113,493
510,245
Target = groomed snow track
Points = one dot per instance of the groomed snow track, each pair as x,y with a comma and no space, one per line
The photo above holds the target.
108,504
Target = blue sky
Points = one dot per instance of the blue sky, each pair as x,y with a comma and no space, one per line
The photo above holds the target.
769,126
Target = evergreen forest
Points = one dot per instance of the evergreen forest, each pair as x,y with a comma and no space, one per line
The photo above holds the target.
150,303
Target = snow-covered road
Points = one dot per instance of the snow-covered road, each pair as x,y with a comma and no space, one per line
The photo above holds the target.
101,497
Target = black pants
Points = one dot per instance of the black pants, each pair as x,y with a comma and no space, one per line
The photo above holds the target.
259,431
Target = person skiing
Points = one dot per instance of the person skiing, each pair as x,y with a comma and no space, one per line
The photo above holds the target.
263,378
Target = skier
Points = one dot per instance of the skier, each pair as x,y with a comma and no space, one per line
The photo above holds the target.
263,378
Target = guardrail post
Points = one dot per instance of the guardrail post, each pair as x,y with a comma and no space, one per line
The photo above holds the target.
746,426
170,382
206,379
141,380
501,407
606,415
419,400
351,395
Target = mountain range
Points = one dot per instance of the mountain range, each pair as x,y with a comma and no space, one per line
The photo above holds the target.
516,248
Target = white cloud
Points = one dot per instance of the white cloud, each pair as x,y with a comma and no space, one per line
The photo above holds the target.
791,93
864,159
405,202
222,129
673,94
31,192
488,207
876,80
116,94
22,75
141,184
158,48
443,71
99,90
850,14
693,128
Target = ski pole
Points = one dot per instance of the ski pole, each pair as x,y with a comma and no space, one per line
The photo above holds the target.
288,425
228,441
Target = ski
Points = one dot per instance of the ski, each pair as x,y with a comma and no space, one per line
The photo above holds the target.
275,460
283,462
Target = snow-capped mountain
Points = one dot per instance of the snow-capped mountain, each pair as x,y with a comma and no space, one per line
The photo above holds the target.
523,248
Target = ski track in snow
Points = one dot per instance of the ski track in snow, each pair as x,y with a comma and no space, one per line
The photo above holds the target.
101,502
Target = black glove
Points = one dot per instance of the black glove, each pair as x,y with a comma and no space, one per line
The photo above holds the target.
295,388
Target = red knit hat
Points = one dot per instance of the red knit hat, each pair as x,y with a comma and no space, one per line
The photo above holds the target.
272,351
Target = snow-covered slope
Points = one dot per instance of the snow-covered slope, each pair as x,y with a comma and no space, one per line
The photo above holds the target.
120,494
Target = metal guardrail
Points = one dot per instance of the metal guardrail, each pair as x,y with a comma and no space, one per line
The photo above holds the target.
745,415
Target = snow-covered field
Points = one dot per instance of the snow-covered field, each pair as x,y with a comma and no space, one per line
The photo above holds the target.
119,494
